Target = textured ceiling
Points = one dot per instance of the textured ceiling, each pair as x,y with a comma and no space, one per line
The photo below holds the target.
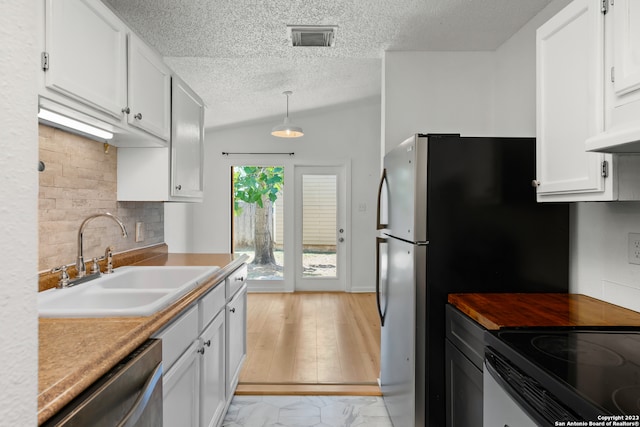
236,53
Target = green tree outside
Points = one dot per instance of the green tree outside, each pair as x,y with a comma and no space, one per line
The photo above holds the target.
259,185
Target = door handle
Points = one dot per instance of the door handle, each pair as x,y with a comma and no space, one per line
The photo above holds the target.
382,222
381,313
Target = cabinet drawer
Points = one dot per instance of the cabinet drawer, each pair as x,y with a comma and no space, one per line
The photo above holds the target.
466,335
177,336
211,304
235,281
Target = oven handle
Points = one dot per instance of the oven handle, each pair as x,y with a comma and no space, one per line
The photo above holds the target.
526,406
502,382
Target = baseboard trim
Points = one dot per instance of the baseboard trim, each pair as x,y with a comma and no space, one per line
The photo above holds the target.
309,389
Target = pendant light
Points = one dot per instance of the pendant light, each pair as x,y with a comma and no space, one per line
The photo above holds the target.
287,129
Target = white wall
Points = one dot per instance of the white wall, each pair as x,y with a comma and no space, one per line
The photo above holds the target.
599,263
437,92
348,134
18,214
515,76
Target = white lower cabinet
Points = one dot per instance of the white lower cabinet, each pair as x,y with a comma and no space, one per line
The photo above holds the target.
180,390
236,317
212,373
202,354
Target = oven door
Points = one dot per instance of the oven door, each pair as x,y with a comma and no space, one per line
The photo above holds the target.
499,408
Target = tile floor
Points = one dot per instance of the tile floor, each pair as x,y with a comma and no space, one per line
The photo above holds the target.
307,411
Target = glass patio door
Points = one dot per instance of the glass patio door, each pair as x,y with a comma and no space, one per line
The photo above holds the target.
258,222
320,235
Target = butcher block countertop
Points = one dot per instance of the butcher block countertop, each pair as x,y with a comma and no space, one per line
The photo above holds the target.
73,353
496,311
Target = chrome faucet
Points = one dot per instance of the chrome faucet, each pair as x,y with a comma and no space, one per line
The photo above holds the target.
82,270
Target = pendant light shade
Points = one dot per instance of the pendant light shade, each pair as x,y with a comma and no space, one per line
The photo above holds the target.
287,129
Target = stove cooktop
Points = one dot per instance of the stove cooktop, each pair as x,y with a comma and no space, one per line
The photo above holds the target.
602,367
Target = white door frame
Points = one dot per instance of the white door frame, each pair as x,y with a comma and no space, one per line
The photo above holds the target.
341,282
290,164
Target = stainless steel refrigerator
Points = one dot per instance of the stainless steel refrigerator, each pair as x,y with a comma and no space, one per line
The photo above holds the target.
456,214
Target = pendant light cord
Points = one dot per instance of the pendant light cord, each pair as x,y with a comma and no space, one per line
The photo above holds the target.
287,105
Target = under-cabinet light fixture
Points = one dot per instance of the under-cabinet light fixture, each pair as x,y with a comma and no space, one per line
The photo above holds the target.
287,129
67,123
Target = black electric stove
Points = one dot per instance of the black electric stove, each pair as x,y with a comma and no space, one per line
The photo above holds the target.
587,373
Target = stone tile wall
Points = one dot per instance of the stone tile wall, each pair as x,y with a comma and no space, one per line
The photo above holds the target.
79,180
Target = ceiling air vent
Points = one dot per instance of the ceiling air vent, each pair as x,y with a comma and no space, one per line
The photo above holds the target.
312,35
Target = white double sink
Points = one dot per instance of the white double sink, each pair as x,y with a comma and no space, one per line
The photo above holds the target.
127,292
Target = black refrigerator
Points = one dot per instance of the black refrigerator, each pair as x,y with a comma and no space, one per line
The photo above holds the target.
455,214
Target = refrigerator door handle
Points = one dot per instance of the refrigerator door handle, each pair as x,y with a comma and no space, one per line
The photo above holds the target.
381,277
383,202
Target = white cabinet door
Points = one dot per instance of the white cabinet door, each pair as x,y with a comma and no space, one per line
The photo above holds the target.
236,340
187,139
85,42
168,174
626,47
622,102
149,95
212,373
180,390
570,55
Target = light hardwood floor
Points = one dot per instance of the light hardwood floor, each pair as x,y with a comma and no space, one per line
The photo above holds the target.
311,343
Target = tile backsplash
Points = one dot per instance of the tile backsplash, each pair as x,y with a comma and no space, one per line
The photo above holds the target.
79,180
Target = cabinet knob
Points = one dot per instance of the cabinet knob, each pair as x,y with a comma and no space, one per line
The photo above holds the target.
201,350
233,310
126,110
207,343
138,116
535,183
178,187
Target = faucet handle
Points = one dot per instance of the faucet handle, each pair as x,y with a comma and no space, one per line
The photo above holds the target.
108,254
95,267
64,276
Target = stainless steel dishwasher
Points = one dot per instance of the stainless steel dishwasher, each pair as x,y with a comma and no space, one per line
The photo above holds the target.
129,395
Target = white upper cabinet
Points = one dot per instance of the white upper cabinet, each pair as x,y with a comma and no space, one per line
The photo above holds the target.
173,174
570,109
622,76
626,48
97,71
149,92
86,48
187,141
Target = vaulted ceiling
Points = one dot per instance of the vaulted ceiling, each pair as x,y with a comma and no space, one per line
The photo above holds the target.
237,55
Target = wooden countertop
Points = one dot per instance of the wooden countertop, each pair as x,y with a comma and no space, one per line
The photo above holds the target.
496,311
73,353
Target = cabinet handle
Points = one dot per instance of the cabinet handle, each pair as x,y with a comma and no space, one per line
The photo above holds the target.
239,279
535,183
233,310
138,116
207,343
178,187
126,110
